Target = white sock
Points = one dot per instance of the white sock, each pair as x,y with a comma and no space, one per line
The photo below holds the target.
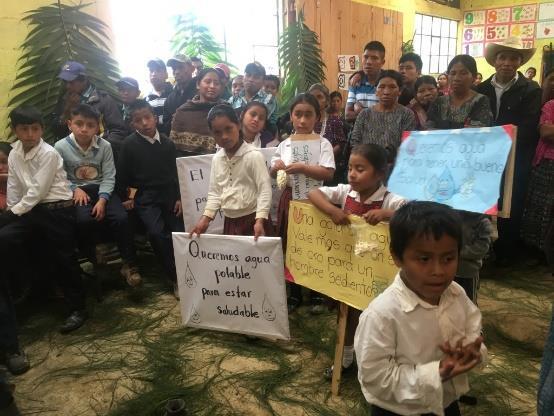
347,356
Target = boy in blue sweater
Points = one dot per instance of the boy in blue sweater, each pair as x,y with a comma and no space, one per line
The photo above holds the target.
89,164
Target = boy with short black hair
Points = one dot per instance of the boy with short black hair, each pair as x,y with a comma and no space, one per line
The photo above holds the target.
272,84
237,86
254,75
409,66
147,181
363,84
40,209
417,340
89,164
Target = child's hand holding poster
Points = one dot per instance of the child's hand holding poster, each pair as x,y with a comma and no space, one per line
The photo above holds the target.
461,168
232,283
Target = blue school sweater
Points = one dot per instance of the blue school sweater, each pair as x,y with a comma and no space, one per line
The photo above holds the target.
95,166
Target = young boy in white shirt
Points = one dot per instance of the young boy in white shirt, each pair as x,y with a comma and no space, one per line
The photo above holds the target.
417,340
40,209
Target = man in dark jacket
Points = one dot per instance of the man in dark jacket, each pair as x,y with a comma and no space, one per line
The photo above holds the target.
79,90
514,100
184,90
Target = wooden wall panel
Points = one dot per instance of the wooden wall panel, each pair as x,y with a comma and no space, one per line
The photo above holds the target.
345,26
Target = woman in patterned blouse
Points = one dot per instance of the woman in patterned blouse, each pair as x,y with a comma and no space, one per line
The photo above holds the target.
463,107
384,123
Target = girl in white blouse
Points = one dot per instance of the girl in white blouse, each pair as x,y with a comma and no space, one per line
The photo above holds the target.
304,114
239,181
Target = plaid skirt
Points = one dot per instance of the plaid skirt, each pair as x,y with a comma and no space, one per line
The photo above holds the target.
245,225
539,208
283,216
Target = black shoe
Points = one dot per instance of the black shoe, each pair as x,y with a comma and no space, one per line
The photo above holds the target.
17,363
74,321
346,371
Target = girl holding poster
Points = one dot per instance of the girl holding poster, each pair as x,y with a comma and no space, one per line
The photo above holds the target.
239,182
304,114
365,196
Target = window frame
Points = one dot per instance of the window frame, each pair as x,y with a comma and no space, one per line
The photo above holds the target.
430,44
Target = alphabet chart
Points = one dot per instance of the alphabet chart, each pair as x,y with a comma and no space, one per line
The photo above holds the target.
495,25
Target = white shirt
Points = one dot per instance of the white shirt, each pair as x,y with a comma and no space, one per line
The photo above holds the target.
35,177
397,348
284,153
337,195
151,140
501,89
240,185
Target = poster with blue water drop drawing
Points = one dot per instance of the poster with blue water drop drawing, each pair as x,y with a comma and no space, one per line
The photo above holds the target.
462,168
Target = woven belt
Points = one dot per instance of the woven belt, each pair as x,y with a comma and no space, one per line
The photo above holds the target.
57,204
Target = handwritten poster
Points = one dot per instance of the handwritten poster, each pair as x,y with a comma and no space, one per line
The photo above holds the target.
320,256
232,283
545,30
349,63
342,81
306,149
461,168
194,181
546,11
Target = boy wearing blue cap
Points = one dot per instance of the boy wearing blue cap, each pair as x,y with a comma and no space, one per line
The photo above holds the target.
129,91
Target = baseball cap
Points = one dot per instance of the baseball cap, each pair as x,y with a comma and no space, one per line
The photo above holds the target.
179,59
255,68
156,63
223,69
71,70
127,82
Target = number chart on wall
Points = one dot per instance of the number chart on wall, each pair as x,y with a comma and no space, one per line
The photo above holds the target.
495,25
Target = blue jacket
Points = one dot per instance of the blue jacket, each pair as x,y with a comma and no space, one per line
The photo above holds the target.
95,166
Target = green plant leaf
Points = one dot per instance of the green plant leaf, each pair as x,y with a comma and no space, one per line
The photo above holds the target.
58,33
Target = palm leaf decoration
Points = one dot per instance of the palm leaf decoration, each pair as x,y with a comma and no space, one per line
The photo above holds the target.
194,39
59,33
300,59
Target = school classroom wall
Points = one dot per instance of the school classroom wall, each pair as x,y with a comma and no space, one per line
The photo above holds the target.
13,31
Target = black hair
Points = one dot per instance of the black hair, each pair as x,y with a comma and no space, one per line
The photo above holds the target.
140,104
425,79
86,111
5,148
444,73
335,94
254,104
376,155
465,60
423,218
391,73
195,59
81,78
25,114
533,68
273,78
306,98
479,75
412,57
255,68
238,76
222,110
375,45
204,71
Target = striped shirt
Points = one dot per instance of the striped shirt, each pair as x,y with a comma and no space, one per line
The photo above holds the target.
157,101
363,93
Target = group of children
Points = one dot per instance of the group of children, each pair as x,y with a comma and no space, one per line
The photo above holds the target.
413,344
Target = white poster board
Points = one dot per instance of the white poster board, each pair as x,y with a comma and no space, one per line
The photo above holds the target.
232,283
194,181
546,11
305,148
